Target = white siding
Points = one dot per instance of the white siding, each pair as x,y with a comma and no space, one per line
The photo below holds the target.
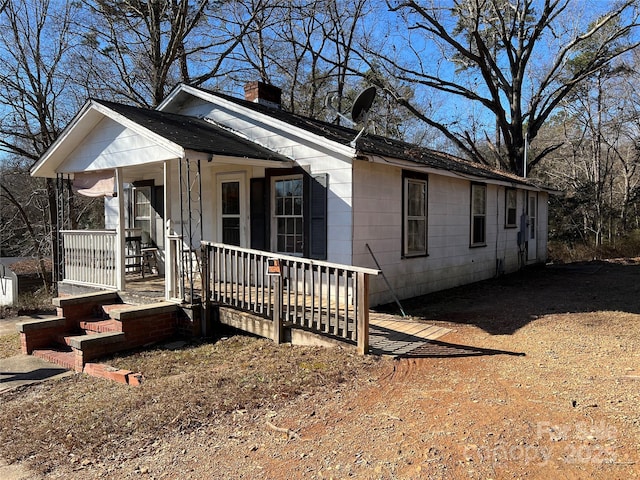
8,287
111,213
111,145
365,207
450,261
315,158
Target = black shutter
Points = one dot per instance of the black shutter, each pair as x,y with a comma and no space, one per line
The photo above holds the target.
258,213
157,200
128,207
318,216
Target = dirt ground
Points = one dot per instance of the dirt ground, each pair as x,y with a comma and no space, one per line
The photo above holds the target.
540,379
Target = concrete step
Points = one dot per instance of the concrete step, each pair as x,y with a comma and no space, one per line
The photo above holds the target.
95,340
107,309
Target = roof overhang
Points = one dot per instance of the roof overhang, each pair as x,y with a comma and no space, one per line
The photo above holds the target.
409,165
215,159
60,157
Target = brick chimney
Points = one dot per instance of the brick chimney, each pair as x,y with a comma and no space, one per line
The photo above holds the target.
263,93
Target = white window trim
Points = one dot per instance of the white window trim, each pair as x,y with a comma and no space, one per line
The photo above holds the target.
506,208
407,218
274,222
244,202
147,219
474,215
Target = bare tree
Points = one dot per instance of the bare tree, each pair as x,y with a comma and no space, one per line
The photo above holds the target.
597,166
34,42
307,47
508,58
139,49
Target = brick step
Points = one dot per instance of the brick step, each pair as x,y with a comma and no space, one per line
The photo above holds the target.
65,357
62,339
101,326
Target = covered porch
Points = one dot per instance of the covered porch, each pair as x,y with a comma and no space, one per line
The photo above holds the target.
168,181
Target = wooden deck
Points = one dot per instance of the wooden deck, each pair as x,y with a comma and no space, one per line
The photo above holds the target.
394,335
388,334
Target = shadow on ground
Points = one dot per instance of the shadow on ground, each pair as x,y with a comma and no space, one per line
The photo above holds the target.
503,305
26,369
439,349
38,374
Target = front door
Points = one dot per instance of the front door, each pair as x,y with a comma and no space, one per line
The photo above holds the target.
532,226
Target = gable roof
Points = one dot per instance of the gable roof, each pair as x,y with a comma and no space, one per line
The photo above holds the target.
173,132
193,133
370,144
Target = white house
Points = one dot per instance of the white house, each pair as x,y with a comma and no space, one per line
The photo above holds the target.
207,166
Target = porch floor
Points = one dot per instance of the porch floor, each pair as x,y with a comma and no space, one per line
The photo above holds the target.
145,289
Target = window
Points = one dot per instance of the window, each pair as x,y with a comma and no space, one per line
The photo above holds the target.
510,206
532,212
142,211
415,216
478,214
230,212
288,215
288,212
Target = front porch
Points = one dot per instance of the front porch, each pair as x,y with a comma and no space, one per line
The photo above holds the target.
287,299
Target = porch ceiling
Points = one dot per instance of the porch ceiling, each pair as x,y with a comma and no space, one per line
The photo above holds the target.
106,135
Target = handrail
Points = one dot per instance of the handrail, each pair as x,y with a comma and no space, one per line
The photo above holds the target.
281,256
324,297
109,231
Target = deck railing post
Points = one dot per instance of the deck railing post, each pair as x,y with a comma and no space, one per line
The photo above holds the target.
206,291
277,309
363,313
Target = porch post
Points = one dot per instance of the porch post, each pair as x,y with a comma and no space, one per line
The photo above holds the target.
169,272
278,335
363,313
120,232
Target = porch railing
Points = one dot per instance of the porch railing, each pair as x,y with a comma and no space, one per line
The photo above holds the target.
90,257
324,297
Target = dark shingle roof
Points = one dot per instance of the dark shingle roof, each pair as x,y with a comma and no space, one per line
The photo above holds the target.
193,133
378,145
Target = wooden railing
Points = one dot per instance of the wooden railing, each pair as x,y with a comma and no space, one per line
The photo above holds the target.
90,257
182,270
324,297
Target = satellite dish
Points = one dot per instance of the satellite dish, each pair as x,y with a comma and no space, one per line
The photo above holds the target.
360,108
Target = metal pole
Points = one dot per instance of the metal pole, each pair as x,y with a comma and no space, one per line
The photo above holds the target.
395,297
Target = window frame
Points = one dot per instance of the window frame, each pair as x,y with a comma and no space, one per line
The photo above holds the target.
275,217
507,209
144,223
421,179
231,177
480,215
